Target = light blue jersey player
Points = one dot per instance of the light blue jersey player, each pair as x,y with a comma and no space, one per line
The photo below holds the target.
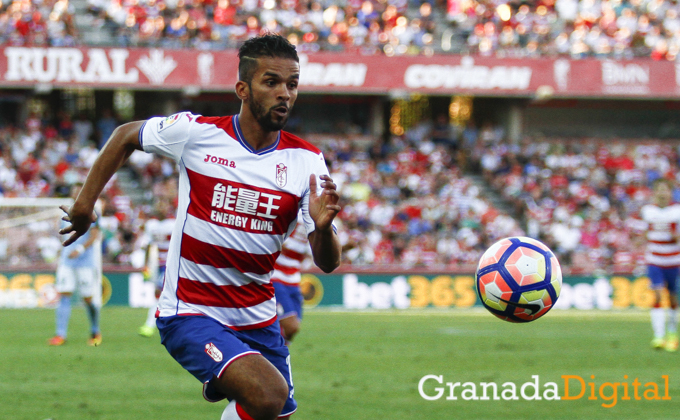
77,271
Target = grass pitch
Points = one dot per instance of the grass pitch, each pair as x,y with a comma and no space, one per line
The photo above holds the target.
346,365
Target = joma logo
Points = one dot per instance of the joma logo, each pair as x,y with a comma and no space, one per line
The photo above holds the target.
219,161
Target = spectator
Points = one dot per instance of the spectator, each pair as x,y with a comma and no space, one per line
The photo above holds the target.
577,28
105,126
83,129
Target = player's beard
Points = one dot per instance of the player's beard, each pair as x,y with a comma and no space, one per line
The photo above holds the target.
266,118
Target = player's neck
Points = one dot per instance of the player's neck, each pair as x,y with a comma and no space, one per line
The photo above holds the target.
253,133
662,204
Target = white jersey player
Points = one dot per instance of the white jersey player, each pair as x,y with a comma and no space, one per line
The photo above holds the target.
662,222
286,280
158,231
242,183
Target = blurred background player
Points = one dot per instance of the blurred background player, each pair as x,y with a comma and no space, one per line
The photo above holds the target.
663,259
159,230
286,281
77,270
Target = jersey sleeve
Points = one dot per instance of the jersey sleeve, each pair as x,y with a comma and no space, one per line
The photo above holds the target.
167,136
644,216
318,168
676,213
640,224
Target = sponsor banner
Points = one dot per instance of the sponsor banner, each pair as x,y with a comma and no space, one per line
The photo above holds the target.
382,291
140,68
352,291
36,290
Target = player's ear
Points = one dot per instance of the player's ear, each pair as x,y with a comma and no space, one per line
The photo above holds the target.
242,90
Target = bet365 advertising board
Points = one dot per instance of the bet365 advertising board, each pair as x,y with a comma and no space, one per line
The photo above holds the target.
349,290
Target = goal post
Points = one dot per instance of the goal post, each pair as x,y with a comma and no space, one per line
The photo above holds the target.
30,244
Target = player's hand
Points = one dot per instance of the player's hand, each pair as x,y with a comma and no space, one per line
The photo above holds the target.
80,223
324,207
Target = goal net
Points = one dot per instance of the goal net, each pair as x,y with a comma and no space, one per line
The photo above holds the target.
30,245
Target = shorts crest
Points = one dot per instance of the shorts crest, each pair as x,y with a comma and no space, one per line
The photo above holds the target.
213,352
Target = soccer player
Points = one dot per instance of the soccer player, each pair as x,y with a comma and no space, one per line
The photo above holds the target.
159,231
662,219
242,182
286,280
77,270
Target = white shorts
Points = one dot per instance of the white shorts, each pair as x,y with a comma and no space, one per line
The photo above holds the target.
71,278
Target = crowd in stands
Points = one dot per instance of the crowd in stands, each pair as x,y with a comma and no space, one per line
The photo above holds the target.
312,25
404,203
38,23
411,203
582,197
407,203
575,28
45,158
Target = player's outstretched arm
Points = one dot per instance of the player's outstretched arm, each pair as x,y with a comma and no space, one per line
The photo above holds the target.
123,141
323,208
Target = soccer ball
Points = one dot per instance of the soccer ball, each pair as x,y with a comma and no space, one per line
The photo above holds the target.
518,279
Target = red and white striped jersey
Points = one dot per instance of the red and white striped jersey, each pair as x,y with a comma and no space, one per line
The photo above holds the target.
236,207
160,232
296,248
662,227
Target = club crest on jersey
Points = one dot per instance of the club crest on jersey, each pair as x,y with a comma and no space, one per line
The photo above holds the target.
168,121
281,175
213,352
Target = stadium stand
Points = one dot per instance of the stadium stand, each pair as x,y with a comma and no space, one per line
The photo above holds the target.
41,159
39,23
585,28
580,196
392,195
408,203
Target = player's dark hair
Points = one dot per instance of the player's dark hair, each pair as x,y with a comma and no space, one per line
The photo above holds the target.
268,45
